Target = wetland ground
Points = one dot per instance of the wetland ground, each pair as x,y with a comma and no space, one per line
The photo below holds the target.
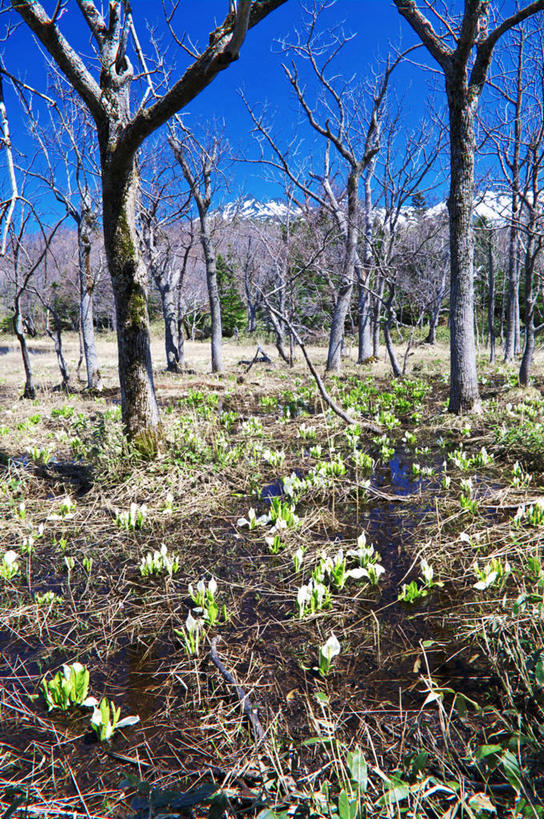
419,547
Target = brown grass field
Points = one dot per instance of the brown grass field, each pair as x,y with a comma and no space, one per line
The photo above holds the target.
433,706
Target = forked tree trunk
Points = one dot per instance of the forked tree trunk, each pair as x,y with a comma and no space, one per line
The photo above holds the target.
86,288
397,372
464,395
129,278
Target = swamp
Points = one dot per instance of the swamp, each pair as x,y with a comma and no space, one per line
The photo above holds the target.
301,617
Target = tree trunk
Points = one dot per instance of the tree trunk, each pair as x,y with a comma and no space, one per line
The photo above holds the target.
364,323
464,395
279,336
376,315
86,287
434,312
251,316
213,294
511,339
531,254
343,300
129,277
29,391
491,299
387,334
169,313
56,336
433,322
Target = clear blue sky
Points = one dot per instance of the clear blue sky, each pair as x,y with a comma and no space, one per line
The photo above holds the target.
375,22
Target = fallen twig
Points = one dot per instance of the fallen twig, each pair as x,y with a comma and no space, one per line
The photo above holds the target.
247,706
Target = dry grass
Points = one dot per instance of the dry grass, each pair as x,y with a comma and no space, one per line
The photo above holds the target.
122,626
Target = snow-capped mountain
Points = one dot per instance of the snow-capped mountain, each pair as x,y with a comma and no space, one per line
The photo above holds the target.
492,206
261,211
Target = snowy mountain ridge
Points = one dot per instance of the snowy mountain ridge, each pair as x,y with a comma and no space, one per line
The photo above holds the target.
492,206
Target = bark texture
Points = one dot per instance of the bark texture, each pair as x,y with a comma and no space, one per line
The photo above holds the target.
86,289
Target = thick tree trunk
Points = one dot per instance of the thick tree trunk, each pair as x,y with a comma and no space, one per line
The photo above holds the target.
129,277
531,255
213,294
433,323
464,395
251,316
86,287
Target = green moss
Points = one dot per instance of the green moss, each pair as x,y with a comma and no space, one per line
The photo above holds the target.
125,245
137,307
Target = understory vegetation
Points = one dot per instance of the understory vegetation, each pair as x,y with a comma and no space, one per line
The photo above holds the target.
280,615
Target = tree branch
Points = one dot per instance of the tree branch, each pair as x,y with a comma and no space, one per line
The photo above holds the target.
441,53
485,48
69,62
214,59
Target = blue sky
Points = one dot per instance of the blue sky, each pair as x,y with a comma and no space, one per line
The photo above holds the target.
376,24
258,71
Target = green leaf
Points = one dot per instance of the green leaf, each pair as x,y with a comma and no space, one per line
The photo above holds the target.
419,762
488,750
358,768
395,794
348,808
512,771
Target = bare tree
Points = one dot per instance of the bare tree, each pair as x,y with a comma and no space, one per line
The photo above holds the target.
25,256
463,49
120,133
68,151
200,164
161,206
338,116
8,205
531,194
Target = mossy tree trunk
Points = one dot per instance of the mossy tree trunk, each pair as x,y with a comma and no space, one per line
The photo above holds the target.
129,278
